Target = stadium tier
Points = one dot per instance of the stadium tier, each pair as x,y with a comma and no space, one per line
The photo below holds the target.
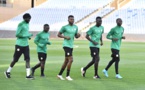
91,18
55,13
133,15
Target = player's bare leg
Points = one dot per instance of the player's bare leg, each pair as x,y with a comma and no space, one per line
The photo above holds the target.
63,68
70,60
12,63
64,65
83,69
7,73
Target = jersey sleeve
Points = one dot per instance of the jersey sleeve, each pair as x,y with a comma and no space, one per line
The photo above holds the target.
48,42
62,30
102,30
36,41
19,34
89,32
76,31
122,33
109,35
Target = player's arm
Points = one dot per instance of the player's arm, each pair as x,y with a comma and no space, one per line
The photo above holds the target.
88,33
36,41
109,36
48,42
123,37
30,35
88,38
18,32
60,34
77,35
20,35
101,40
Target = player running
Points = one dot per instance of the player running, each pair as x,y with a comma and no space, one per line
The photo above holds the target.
41,40
68,32
22,46
94,35
116,35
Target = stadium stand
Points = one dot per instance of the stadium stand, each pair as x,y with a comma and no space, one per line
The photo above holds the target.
55,13
132,17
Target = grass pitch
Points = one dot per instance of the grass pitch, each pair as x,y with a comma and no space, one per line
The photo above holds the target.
132,68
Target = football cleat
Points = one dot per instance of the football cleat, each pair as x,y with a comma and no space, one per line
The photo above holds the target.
83,72
105,73
60,77
118,76
69,78
7,74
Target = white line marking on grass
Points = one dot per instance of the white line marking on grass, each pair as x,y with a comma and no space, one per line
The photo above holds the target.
76,46
33,63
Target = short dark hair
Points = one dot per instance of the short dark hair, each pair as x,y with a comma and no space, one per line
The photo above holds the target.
118,19
70,16
98,17
46,25
26,15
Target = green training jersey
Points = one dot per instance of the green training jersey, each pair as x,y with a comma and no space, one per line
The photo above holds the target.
116,32
69,31
41,40
95,33
22,34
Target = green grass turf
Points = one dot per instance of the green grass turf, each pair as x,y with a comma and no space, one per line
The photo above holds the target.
132,68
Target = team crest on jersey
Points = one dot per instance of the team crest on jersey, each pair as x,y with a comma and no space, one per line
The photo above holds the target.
101,30
25,27
117,32
75,29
